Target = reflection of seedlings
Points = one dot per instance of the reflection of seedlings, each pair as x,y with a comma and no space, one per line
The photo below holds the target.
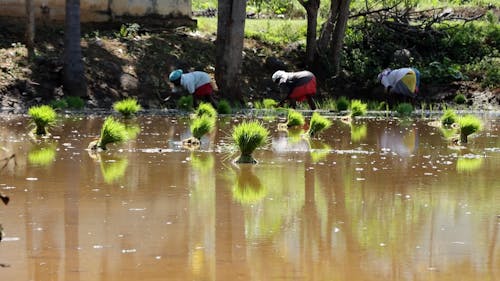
132,131
468,124
295,135
317,124
42,155
358,132
295,118
206,109
113,169
248,189
319,152
248,136
203,162
127,107
449,117
112,131
469,163
42,116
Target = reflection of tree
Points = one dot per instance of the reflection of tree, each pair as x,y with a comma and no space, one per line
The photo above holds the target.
42,154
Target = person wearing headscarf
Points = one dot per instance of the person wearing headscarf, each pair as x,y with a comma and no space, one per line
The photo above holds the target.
402,81
197,83
296,86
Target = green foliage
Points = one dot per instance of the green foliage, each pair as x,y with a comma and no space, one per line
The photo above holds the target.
317,124
112,131
486,71
404,109
342,103
202,125
43,116
206,109
468,124
127,107
248,136
442,72
75,102
269,103
128,30
358,108
295,118
449,117
224,107
185,103
459,99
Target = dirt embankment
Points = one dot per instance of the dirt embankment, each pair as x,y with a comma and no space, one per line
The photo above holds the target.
119,65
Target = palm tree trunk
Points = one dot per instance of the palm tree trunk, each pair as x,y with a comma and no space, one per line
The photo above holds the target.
74,77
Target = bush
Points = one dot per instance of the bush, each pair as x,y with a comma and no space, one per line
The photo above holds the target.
342,104
248,136
43,116
459,99
224,107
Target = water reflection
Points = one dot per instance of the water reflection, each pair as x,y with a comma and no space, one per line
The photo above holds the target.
42,154
397,205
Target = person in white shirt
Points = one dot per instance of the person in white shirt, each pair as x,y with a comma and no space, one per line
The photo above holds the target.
402,81
197,83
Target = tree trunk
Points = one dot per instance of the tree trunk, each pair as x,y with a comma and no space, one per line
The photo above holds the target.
73,72
327,30
337,41
230,34
312,7
30,28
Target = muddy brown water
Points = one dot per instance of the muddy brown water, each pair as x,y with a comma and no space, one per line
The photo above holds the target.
376,200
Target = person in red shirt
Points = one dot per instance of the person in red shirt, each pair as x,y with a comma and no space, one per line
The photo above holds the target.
297,86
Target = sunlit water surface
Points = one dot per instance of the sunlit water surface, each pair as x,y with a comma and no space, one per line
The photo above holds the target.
375,200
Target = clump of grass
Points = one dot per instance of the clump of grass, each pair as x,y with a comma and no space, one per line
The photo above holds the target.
202,125
358,108
459,99
404,109
468,124
248,136
224,107
127,107
185,103
269,103
295,118
206,109
342,104
43,116
317,124
449,117
68,102
112,131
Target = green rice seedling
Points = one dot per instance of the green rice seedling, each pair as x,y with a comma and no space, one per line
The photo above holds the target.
468,125
449,117
42,155
248,136
327,104
206,109
459,99
127,107
269,103
224,107
295,118
42,116
317,124
112,131
185,103
202,125
342,104
404,109
358,108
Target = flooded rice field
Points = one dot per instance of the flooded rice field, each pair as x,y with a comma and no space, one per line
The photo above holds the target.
374,200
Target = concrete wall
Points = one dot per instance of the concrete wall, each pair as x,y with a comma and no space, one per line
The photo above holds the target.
99,10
